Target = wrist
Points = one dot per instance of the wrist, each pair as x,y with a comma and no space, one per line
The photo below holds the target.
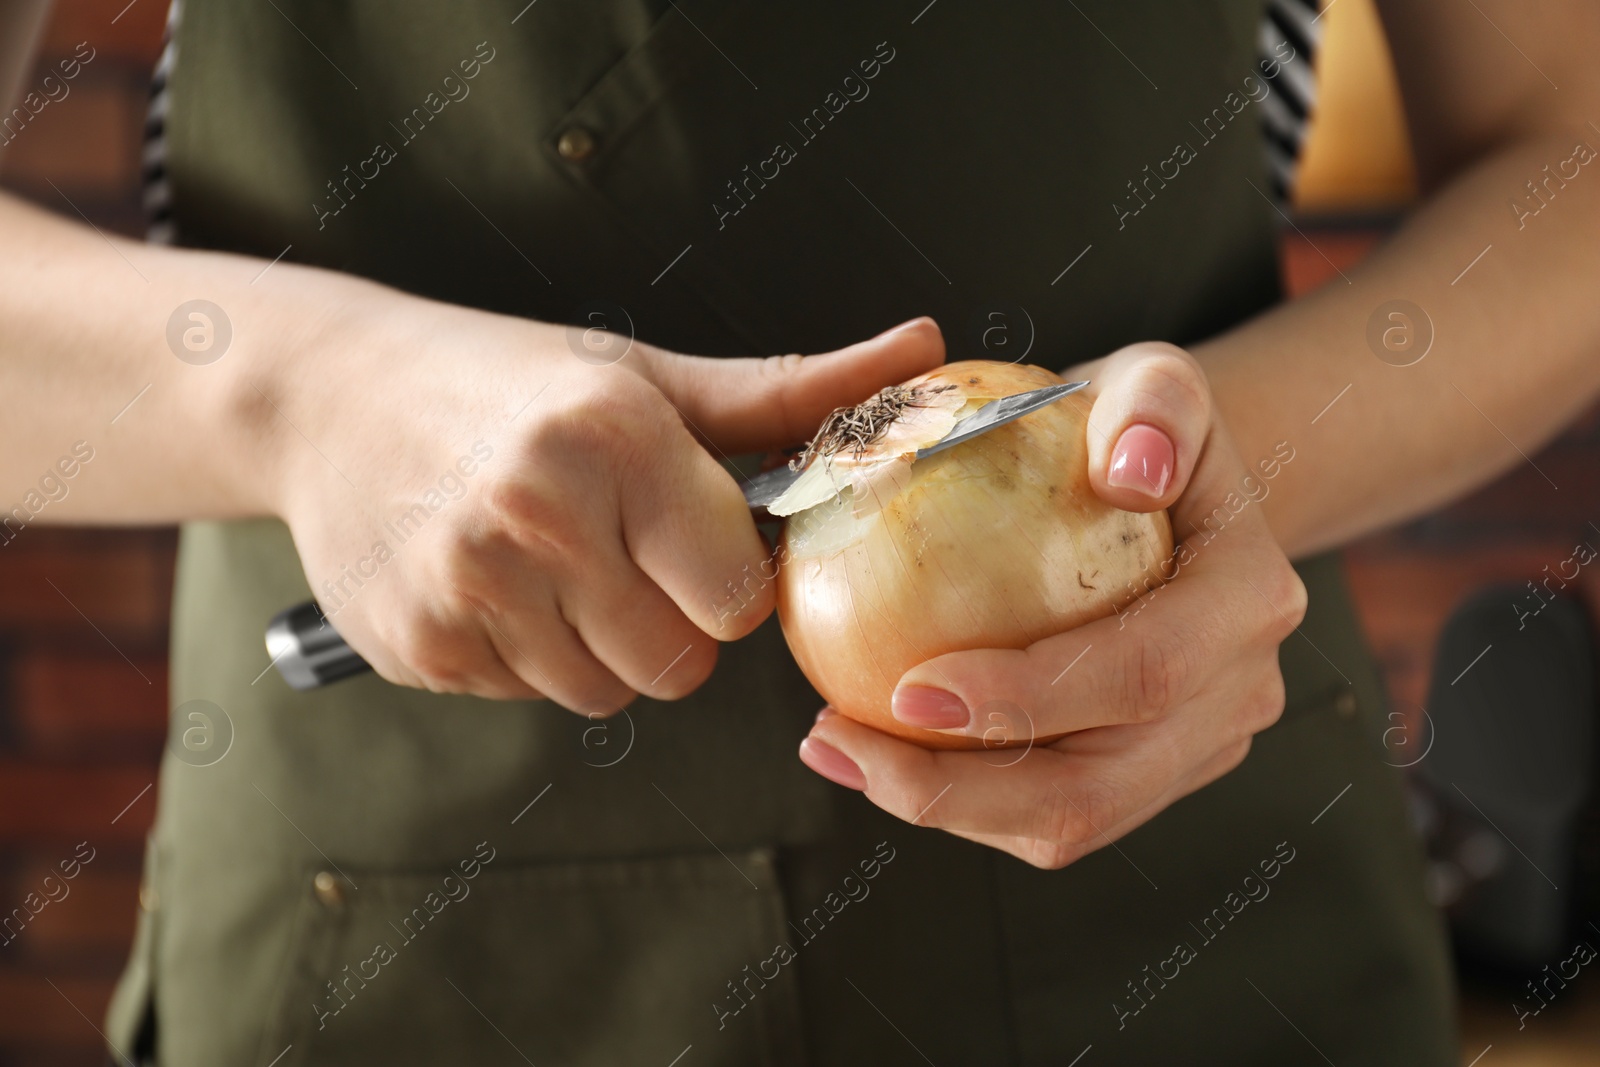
277,401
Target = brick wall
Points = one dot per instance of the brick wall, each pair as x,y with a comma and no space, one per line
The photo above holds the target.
83,616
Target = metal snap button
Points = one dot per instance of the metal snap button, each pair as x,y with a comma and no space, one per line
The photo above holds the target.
329,889
576,144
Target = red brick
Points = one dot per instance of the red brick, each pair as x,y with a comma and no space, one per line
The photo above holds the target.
134,37
36,1014
120,580
87,702
1308,262
87,143
94,919
57,806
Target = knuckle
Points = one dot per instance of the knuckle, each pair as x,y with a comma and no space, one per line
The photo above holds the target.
919,806
1152,678
1264,706
1073,822
435,655
686,675
776,375
1047,856
1173,375
531,513
1295,600
467,557
516,502
1288,600
1057,821
603,709
596,421
1098,805
779,370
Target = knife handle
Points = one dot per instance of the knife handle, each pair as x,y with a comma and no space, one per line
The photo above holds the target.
308,651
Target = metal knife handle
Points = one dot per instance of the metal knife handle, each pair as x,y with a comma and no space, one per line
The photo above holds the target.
308,651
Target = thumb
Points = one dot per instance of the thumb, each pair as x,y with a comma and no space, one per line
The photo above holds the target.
1148,426
752,405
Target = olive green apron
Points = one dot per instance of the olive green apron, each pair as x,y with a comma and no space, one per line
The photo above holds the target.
375,875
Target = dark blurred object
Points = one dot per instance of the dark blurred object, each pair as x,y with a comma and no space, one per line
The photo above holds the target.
1505,786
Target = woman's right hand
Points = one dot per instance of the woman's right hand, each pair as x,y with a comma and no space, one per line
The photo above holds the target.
482,511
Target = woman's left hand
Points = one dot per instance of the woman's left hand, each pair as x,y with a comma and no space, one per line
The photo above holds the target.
1156,702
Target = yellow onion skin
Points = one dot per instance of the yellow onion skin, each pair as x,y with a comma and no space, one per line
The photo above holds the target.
997,542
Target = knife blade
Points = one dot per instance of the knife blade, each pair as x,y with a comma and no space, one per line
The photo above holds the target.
767,487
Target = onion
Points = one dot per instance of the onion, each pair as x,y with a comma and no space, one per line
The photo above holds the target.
997,542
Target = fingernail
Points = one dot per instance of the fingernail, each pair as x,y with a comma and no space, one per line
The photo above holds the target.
832,764
929,708
1142,461
825,713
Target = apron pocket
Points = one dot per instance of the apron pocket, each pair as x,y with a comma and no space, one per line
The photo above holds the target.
572,962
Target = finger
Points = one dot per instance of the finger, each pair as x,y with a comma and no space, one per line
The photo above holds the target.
1048,794
544,651
1105,673
688,528
635,629
748,405
520,613
1071,800
413,639
1148,426
445,657
1227,588
1051,856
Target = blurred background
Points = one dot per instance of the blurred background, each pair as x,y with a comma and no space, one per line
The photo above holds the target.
84,613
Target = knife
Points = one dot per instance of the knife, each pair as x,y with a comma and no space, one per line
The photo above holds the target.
309,653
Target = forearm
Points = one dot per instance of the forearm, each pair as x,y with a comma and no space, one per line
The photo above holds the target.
1515,341
86,368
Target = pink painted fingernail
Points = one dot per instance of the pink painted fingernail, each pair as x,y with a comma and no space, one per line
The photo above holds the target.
929,708
1142,461
832,764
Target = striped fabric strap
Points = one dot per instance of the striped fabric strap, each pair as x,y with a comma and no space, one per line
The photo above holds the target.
1287,109
153,165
